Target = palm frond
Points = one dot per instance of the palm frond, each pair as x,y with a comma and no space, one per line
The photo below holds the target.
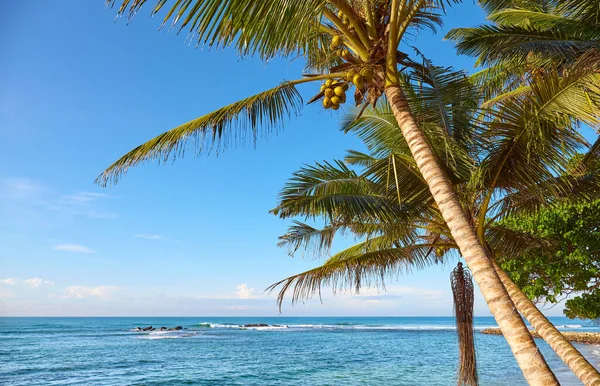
252,27
355,269
238,122
510,243
302,235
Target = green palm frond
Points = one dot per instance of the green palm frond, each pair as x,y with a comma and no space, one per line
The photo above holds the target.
510,243
360,266
239,122
331,190
575,92
252,27
377,129
529,140
302,235
549,193
491,43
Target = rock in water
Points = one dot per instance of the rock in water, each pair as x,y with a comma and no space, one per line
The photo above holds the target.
149,328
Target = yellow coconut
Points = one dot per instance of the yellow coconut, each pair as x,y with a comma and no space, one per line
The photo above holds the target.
340,15
339,90
367,73
345,54
358,81
329,92
328,82
350,75
326,102
335,100
322,88
335,107
345,20
335,42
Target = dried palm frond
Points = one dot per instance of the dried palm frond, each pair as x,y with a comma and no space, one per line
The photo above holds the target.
462,290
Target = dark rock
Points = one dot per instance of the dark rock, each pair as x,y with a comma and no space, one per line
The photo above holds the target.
138,329
149,328
163,328
176,328
256,325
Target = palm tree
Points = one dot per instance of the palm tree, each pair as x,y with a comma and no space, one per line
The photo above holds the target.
387,205
340,40
530,43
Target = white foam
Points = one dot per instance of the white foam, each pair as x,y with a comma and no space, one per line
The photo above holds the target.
569,326
340,327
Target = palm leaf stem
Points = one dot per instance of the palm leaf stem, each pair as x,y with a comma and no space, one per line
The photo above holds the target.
353,19
349,37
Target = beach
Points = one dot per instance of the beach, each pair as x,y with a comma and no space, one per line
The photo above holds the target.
288,351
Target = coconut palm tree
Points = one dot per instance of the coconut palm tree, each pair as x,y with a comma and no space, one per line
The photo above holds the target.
530,43
341,40
507,169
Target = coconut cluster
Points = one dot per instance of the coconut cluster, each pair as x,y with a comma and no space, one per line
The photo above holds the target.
334,90
334,93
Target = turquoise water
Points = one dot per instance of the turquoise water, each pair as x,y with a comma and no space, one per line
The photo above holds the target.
216,351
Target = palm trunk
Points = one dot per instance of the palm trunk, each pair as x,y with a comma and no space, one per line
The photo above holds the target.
563,348
530,360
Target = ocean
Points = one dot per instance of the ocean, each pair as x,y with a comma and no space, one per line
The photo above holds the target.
219,351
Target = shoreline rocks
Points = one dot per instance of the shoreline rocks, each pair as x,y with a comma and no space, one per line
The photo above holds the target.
150,328
577,337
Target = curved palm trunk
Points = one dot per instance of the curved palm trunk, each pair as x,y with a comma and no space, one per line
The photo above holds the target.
563,348
530,360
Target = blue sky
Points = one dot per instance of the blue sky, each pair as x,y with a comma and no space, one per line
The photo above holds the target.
189,238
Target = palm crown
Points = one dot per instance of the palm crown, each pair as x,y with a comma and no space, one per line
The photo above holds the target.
505,166
344,43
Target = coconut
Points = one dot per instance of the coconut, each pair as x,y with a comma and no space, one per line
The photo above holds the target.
329,92
335,100
339,91
335,42
343,98
367,73
345,20
340,15
335,107
328,82
358,81
345,54
326,102
322,88
350,75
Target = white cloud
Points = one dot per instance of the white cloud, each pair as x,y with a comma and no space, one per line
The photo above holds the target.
150,237
22,187
83,197
36,282
73,248
10,281
243,292
81,292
